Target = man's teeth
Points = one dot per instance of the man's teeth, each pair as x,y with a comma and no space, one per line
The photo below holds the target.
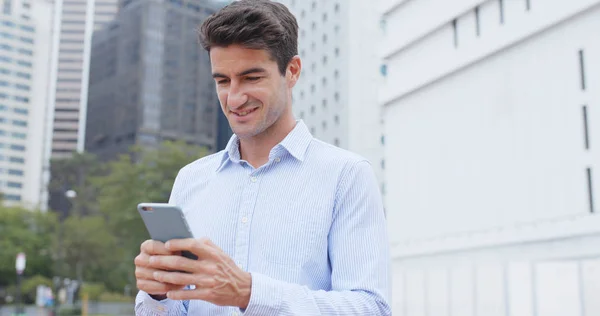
244,113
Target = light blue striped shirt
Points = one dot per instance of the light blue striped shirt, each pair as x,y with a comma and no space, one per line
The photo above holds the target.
308,225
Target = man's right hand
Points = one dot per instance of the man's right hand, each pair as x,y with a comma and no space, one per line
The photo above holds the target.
144,270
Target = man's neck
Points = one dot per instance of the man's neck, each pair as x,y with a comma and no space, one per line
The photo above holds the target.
256,150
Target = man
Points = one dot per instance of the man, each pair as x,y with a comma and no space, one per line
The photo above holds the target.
288,225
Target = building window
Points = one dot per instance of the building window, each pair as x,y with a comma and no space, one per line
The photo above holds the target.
501,4
16,185
324,125
24,63
17,147
477,27
20,123
336,142
25,52
455,32
27,28
22,87
22,99
336,119
12,197
17,160
19,135
14,172
23,75
26,40
324,103
325,17
312,109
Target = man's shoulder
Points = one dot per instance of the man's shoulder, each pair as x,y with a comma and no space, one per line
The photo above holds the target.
205,165
331,154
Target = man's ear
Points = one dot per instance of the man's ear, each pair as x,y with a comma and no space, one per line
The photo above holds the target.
293,71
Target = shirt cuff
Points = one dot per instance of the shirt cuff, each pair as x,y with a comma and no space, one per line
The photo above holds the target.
265,296
149,306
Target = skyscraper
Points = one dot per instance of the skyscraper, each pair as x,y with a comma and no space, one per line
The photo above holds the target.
25,77
150,80
77,21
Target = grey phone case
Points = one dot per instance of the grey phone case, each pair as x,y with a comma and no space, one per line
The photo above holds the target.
165,222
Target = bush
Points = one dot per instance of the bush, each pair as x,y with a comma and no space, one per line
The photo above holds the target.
93,290
69,311
114,298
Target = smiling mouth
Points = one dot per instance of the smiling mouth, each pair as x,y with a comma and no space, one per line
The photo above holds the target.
244,113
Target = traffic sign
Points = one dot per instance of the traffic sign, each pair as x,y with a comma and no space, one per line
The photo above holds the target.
20,264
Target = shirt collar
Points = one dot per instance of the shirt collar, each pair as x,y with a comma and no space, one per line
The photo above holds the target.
295,143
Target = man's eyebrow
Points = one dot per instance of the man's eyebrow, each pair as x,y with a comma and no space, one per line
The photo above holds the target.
241,74
251,71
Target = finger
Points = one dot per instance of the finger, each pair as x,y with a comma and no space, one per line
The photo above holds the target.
173,263
197,294
176,278
154,247
156,288
203,248
144,273
142,260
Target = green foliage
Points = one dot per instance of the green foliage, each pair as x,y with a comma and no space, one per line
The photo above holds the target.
145,175
101,237
115,298
31,232
93,290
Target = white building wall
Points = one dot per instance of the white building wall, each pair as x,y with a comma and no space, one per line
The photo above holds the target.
488,195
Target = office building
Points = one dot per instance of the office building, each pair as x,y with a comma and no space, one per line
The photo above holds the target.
25,77
150,80
491,108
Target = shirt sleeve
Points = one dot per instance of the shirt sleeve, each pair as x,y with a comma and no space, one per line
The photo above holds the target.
359,256
145,305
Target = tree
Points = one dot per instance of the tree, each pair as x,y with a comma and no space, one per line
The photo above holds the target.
143,175
74,174
25,231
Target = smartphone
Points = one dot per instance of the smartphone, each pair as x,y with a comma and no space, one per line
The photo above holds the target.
165,222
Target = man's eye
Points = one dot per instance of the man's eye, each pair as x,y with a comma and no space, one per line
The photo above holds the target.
222,81
252,78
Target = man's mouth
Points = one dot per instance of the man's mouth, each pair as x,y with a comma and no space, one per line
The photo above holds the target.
244,113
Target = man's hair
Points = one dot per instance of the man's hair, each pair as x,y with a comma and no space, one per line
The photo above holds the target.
254,24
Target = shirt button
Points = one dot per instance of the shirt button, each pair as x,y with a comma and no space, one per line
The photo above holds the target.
253,179
277,159
244,219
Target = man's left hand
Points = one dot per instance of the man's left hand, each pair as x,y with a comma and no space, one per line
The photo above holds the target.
217,278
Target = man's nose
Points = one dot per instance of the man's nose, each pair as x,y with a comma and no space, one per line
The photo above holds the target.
236,98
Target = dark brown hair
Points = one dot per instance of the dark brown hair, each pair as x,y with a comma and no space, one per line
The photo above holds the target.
254,24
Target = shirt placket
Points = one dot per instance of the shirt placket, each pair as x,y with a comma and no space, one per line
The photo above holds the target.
245,219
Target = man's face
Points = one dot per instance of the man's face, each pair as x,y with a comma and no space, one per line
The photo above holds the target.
253,94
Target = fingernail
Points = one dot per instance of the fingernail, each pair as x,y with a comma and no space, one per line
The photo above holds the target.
168,245
156,275
152,259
